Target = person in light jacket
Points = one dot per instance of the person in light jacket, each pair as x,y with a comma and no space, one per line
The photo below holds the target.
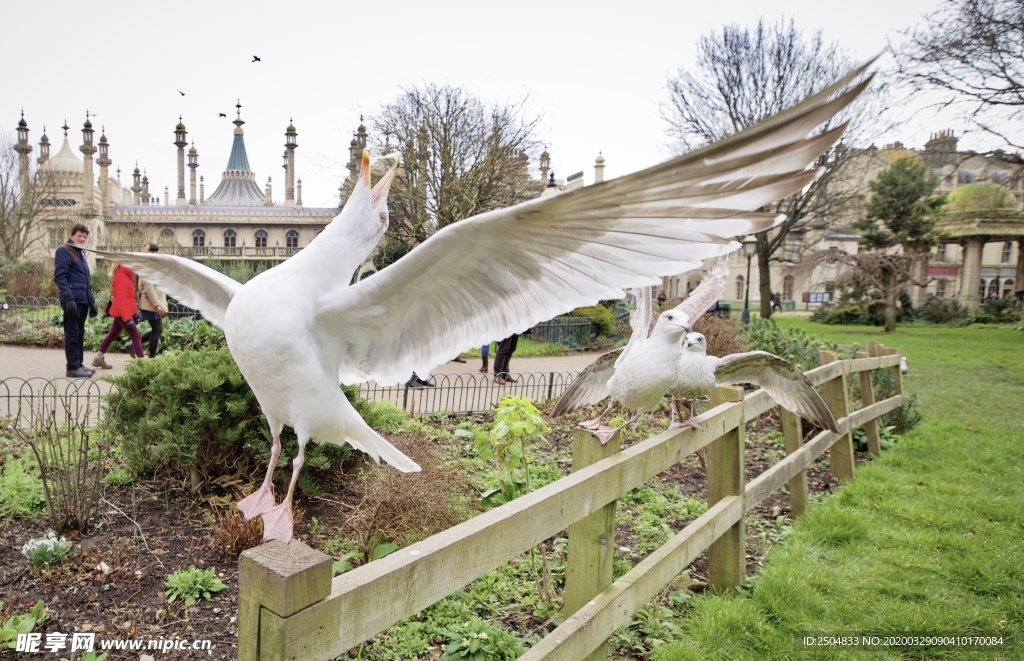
152,307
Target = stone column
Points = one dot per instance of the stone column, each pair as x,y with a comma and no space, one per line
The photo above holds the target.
970,272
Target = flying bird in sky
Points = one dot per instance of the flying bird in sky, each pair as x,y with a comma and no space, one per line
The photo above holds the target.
255,58
181,93
220,114
454,291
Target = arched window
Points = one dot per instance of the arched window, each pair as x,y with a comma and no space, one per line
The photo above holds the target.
1005,256
261,238
229,238
981,289
739,288
291,239
198,239
167,236
787,288
940,289
993,288
1008,287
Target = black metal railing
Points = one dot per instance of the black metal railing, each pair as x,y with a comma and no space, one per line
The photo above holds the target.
30,401
568,331
28,318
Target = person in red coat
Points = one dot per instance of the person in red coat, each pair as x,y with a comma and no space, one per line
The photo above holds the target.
123,309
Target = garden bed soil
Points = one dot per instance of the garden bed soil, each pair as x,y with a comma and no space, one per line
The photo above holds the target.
148,529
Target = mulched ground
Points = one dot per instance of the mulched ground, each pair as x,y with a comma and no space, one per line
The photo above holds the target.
147,530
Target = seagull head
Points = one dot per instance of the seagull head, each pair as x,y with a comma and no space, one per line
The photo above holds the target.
371,202
695,342
673,323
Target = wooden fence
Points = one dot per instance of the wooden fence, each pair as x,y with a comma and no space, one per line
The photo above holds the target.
290,608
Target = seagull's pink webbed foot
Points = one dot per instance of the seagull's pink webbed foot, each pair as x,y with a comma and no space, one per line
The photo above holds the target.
278,523
605,434
689,424
258,502
594,424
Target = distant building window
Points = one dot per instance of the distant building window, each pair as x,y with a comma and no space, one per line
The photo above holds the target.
941,252
229,238
198,239
261,239
1007,287
993,288
787,288
940,289
168,233
830,290
1005,257
291,239
739,287
54,239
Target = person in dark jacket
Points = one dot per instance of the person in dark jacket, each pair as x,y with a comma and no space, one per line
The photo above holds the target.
72,277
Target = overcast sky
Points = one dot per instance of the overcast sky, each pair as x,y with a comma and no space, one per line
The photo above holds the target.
594,71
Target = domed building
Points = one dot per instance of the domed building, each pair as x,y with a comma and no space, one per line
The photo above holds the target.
238,221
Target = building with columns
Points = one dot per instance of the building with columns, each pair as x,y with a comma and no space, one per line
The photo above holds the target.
982,253
238,221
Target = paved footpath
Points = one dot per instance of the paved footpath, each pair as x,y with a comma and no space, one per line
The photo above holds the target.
27,362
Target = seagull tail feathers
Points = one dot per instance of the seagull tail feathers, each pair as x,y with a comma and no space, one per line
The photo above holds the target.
362,437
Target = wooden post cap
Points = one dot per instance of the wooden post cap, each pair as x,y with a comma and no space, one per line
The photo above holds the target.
287,577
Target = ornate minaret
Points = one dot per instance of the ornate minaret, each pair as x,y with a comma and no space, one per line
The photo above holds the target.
268,201
23,149
298,195
145,189
44,148
599,168
193,163
88,149
136,186
545,167
104,162
167,197
179,141
202,195
290,143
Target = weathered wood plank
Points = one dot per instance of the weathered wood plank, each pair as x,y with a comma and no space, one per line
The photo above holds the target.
602,616
834,394
371,598
793,437
591,552
867,398
767,482
727,555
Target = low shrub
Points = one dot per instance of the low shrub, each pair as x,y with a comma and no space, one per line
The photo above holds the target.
46,551
604,322
997,311
944,311
795,345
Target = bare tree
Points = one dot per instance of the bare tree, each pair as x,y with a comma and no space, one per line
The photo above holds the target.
24,203
461,157
744,75
974,49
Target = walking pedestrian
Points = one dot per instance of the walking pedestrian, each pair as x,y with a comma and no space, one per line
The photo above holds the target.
152,308
123,309
506,348
74,281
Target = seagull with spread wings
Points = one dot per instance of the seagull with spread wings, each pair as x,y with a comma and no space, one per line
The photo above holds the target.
299,329
591,386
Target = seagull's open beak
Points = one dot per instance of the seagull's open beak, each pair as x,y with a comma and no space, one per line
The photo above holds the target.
380,191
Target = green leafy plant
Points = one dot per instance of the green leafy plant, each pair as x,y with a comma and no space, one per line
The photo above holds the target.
192,584
477,640
89,656
516,422
794,344
46,551
22,624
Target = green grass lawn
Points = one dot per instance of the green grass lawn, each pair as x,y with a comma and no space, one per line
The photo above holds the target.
927,540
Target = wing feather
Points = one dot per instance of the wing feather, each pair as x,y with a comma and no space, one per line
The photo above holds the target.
194,284
781,379
590,387
708,292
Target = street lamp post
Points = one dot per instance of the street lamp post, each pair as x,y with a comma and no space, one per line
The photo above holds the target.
749,247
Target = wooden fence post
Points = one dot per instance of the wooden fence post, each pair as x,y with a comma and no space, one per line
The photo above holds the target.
591,553
727,555
867,398
793,435
834,394
282,578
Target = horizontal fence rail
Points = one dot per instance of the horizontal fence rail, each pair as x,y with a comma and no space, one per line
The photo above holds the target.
289,609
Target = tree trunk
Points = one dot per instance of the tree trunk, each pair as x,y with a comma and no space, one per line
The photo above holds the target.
890,308
764,274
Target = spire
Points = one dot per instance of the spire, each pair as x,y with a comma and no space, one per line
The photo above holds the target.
238,187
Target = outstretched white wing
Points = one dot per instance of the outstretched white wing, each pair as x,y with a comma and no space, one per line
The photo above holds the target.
188,281
708,292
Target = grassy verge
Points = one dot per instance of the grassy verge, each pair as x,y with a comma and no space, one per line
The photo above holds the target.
927,540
